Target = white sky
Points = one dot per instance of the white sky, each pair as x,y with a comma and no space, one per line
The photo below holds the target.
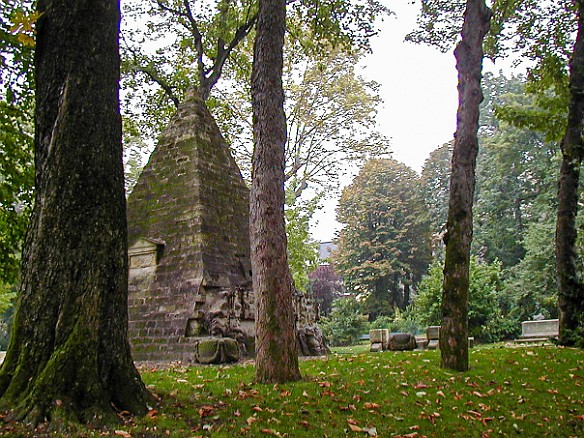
418,87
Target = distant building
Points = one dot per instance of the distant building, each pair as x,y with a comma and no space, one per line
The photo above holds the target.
325,251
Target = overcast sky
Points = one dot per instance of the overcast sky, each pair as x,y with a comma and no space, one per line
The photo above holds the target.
418,86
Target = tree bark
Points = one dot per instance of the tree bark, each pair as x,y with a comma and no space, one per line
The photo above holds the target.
69,358
469,58
570,288
276,346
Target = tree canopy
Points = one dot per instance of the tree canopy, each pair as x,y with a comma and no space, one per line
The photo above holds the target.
383,247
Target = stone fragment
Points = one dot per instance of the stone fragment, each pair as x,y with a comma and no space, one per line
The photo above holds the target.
311,341
217,350
376,347
433,332
401,342
379,336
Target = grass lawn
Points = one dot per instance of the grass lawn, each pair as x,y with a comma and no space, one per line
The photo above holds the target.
522,391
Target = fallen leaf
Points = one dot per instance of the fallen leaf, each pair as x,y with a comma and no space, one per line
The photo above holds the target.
355,428
257,409
152,413
205,411
122,433
371,405
251,420
420,385
487,419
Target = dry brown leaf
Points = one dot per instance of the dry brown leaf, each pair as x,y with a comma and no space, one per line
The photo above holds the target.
205,411
122,433
152,413
355,428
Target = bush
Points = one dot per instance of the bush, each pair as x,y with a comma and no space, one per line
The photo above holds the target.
486,321
346,323
401,322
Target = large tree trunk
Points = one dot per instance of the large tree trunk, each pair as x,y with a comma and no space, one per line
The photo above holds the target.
69,358
570,289
276,347
469,58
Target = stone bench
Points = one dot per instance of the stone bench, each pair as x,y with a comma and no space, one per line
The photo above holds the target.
539,331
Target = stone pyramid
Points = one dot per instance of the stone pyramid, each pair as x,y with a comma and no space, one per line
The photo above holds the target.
188,232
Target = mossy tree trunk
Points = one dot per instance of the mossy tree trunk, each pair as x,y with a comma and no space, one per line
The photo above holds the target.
469,58
69,358
570,288
276,346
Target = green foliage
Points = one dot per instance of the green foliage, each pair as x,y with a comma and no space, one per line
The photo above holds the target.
439,23
384,246
486,321
543,34
515,172
16,127
213,40
7,298
331,119
435,189
402,321
302,250
531,287
346,322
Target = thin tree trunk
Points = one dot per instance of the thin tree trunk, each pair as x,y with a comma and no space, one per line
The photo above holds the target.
276,346
469,58
570,289
69,358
